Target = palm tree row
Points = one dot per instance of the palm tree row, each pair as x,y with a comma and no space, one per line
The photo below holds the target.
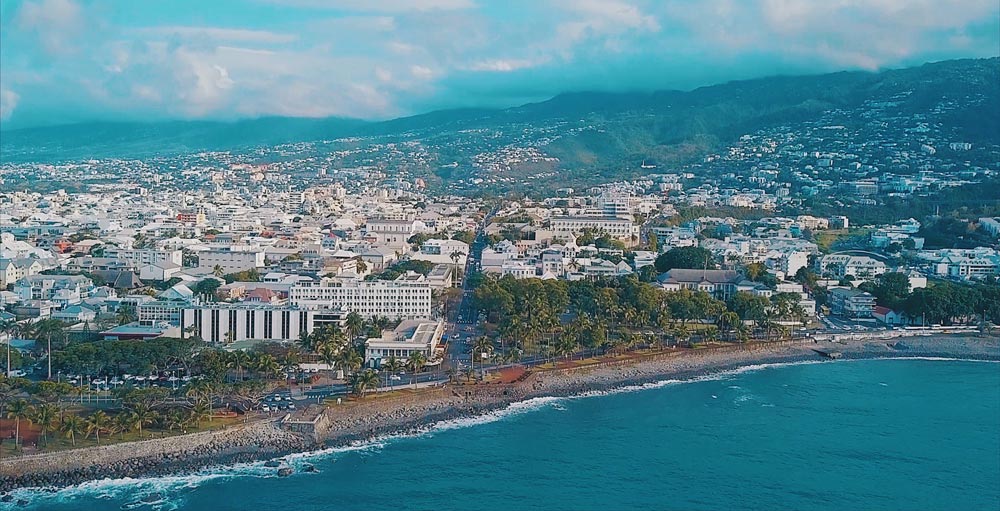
46,417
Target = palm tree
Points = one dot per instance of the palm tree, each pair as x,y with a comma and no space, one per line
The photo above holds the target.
18,410
729,321
174,419
122,424
239,360
349,360
328,353
12,330
362,381
71,425
306,340
201,411
482,345
96,422
268,366
455,256
142,415
354,324
45,418
49,329
415,363
393,366
125,314
218,271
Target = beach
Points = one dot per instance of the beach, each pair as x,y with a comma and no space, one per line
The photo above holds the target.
413,411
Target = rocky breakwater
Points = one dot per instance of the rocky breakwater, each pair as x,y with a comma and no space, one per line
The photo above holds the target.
183,453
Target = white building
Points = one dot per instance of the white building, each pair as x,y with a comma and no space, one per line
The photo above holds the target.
407,297
12,270
232,259
394,233
226,323
841,265
409,337
621,227
440,251
61,289
144,256
990,225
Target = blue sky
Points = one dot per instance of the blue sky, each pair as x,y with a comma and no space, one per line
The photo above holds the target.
71,60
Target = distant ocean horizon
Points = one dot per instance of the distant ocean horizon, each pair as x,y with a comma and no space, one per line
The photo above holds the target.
919,434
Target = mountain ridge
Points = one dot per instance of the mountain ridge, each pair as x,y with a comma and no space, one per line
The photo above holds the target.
653,119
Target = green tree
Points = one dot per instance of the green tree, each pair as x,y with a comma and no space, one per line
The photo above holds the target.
45,417
97,422
19,411
141,415
481,345
363,381
122,423
200,412
349,360
684,257
49,329
126,314
415,363
72,425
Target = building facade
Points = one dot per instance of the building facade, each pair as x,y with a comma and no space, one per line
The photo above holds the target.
407,297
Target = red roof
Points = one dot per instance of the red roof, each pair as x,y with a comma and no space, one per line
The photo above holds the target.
262,293
882,311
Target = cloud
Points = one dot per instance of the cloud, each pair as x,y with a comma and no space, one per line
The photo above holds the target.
55,23
217,34
868,34
379,5
502,65
421,72
8,102
375,59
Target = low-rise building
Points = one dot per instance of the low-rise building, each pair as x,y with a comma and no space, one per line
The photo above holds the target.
407,338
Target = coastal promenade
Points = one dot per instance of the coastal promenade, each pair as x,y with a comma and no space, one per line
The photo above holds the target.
415,410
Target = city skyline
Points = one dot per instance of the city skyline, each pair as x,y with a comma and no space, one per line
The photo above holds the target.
69,61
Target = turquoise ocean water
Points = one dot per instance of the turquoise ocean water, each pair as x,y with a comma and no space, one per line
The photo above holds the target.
849,435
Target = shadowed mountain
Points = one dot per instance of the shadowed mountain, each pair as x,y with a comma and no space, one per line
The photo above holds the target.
668,127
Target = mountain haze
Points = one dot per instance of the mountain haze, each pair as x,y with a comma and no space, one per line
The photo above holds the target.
592,131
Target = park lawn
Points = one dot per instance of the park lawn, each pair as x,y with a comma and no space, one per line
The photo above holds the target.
57,440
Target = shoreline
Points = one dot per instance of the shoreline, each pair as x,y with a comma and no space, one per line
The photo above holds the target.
418,412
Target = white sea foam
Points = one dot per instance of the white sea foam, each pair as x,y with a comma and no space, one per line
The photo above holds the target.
941,359
173,487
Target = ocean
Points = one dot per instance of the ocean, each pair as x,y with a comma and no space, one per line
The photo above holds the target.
858,435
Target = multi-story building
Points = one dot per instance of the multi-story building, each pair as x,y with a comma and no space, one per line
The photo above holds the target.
719,283
61,289
974,263
218,322
12,270
144,256
232,259
407,297
842,265
852,303
160,311
620,227
391,232
990,225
